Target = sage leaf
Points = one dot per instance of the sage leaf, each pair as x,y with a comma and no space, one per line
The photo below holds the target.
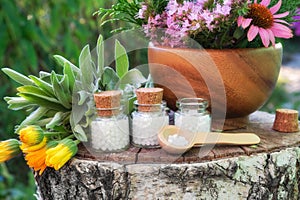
109,79
79,133
32,118
56,120
100,56
61,61
16,76
133,77
46,87
121,58
86,68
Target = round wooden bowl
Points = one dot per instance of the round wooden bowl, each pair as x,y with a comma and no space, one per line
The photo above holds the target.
237,81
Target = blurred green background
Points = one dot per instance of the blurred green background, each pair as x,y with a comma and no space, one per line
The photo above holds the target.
31,32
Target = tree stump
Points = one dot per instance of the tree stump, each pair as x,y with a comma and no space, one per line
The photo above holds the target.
269,170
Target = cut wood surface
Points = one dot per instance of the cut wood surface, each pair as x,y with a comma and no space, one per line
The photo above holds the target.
269,170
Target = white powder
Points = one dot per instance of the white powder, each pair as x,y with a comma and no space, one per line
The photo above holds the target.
194,124
178,140
145,129
110,135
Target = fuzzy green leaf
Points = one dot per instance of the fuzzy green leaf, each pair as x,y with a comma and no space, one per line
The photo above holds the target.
46,87
56,120
100,54
18,77
109,79
61,61
17,103
35,91
32,118
121,58
71,76
85,64
79,133
133,77
42,102
60,92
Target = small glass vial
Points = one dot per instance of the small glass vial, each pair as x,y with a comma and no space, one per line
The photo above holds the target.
192,115
148,118
110,130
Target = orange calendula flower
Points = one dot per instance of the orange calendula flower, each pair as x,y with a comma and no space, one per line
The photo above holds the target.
36,158
31,135
9,149
60,154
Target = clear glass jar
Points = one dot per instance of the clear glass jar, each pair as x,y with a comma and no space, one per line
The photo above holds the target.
110,133
192,115
147,120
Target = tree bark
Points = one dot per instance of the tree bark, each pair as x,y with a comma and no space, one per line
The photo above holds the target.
269,170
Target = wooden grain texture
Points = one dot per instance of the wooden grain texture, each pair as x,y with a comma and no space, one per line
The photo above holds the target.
247,75
269,170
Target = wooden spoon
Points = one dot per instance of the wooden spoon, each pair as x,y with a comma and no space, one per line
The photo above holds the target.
202,139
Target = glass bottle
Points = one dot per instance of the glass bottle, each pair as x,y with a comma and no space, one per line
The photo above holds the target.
148,118
110,130
192,115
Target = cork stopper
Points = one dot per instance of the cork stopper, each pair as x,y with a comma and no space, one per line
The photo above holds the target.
107,102
149,99
286,120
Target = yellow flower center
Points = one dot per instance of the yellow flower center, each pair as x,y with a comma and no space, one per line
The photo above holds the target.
261,16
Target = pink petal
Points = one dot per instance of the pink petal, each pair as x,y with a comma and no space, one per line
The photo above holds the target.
252,33
271,36
264,36
246,22
281,31
240,20
275,8
265,2
281,15
282,21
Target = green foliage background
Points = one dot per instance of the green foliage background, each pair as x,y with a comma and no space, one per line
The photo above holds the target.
31,32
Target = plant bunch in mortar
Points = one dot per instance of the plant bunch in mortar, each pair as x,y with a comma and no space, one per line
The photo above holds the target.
212,23
61,106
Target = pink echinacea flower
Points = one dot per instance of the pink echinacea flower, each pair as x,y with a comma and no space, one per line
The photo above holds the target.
265,22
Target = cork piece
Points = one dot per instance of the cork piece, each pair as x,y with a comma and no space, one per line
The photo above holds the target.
286,120
107,102
149,97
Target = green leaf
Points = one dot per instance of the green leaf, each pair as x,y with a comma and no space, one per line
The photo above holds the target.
46,87
83,95
86,67
32,118
71,77
61,61
79,133
42,102
100,54
109,79
122,63
35,91
56,120
17,103
133,77
18,77
60,92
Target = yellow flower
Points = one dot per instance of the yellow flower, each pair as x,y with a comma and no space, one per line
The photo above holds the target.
31,148
36,154
31,135
36,159
9,149
60,154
